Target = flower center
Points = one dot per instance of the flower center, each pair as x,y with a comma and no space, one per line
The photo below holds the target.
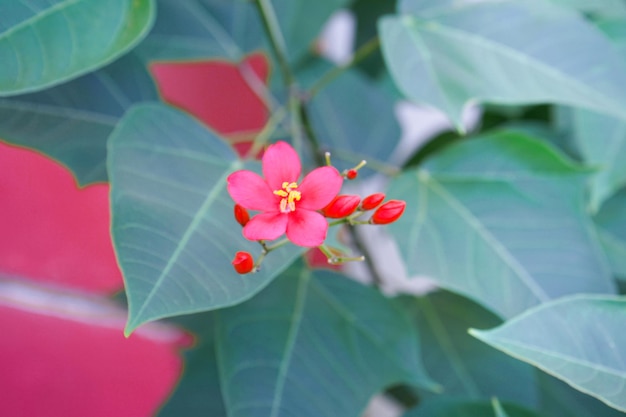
289,196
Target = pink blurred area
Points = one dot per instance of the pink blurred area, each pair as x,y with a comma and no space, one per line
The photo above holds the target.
56,365
62,349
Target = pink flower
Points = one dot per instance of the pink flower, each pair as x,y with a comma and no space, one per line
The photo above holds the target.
287,206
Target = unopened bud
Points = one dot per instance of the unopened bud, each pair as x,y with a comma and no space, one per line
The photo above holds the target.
241,215
388,212
372,201
243,262
352,174
341,206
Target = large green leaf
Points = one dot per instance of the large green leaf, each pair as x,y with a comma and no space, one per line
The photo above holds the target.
462,365
500,219
559,399
44,43
172,219
456,407
314,344
71,122
611,222
507,52
578,339
353,130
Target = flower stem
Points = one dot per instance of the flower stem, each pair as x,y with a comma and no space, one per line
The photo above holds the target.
277,41
363,52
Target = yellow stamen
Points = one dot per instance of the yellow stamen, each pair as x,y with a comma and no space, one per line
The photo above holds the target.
289,196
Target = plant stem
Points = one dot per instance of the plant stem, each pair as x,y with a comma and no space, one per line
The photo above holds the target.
300,121
321,160
363,52
277,41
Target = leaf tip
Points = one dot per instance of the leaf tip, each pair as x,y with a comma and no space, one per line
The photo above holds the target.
475,332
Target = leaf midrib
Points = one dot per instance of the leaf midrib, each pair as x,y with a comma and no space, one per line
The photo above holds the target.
191,229
292,335
39,16
475,224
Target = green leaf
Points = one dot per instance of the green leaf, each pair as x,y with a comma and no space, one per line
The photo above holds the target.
314,344
301,21
501,220
559,399
172,221
353,130
196,29
462,365
198,392
367,13
604,8
611,223
424,6
71,122
447,58
601,139
458,407
578,339
50,42
497,408
230,29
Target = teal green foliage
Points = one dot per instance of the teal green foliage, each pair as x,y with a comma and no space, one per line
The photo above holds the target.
520,220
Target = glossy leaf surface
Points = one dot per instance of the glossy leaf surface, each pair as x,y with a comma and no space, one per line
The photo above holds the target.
314,344
578,339
500,219
44,43
172,222
505,52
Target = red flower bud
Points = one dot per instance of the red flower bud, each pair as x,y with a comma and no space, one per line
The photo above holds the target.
243,262
241,215
372,201
352,174
341,206
388,212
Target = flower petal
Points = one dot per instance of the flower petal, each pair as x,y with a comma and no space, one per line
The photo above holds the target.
280,164
250,191
266,226
306,228
319,188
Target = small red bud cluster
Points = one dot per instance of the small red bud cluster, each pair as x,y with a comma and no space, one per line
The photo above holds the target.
350,207
344,209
